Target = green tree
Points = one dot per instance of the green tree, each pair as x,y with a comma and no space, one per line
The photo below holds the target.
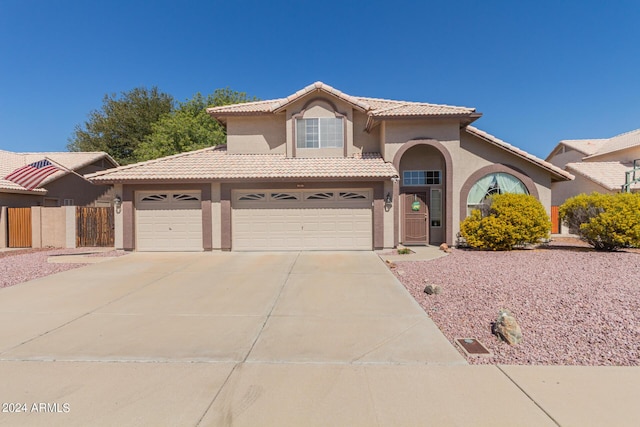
511,220
189,127
605,221
122,123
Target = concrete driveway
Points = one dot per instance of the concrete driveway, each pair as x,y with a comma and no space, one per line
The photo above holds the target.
239,339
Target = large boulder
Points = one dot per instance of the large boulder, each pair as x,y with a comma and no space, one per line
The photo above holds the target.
507,329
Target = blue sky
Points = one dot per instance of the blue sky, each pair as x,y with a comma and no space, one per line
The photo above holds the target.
538,71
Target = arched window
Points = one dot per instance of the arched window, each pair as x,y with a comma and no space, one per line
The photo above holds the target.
494,183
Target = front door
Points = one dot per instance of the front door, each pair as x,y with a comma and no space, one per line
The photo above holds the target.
415,218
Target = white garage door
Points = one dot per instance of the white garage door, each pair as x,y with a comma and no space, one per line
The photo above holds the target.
168,221
302,220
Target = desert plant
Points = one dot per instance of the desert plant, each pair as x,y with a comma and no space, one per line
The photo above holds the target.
605,221
511,220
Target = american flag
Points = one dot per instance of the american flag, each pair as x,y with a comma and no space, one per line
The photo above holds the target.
30,176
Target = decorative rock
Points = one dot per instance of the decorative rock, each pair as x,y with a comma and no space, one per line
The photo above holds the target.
391,264
507,329
445,248
432,290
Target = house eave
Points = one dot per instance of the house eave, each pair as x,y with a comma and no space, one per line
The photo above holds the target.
465,119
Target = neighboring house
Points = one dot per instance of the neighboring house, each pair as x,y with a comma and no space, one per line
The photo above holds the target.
61,188
598,165
323,170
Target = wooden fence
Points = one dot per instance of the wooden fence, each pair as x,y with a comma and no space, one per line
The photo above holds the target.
19,224
555,220
94,227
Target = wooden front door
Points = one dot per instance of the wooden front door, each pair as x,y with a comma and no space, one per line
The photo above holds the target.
415,218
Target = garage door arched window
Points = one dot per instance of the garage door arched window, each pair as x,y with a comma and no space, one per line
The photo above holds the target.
494,183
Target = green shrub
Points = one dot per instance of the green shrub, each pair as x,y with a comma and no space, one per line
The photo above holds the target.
511,220
606,221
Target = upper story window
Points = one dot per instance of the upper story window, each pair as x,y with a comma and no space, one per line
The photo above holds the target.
322,132
421,178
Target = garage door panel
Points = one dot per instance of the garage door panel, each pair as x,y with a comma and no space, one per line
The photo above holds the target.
302,229
169,221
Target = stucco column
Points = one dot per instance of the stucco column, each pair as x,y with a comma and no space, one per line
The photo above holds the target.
117,219
36,227
389,224
216,223
207,217
3,227
70,227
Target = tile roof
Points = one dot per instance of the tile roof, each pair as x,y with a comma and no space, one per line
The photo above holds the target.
593,148
10,161
619,143
559,173
318,87
610,175
216,163
584,146
390,108
374,107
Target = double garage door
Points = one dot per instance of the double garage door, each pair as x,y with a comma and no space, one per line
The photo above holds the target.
260,220
302,220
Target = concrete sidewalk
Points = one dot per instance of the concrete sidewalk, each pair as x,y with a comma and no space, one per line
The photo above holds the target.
265,339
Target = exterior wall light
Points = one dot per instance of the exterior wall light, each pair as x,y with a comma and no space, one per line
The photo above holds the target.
117,202
388,202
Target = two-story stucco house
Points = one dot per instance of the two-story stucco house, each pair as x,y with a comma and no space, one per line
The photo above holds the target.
323,170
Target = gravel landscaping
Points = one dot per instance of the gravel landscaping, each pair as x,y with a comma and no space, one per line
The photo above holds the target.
22,265
575,306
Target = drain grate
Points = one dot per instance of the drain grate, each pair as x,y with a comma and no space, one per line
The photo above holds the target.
473,347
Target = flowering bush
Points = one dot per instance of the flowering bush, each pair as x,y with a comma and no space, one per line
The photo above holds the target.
511,220
606,221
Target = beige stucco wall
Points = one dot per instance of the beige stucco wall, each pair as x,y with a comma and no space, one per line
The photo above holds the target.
397,132
14,200
421,157
216,216
256,134
364,142
48,227
561,191
273,133
625,156
54,227
569,156
82,192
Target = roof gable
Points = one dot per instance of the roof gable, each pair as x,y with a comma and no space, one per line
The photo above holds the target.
559,174
375,108
10,161
318,87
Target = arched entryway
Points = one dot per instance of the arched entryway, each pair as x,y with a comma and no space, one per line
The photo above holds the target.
424,193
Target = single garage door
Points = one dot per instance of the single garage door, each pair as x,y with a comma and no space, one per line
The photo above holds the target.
168,221
302,220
